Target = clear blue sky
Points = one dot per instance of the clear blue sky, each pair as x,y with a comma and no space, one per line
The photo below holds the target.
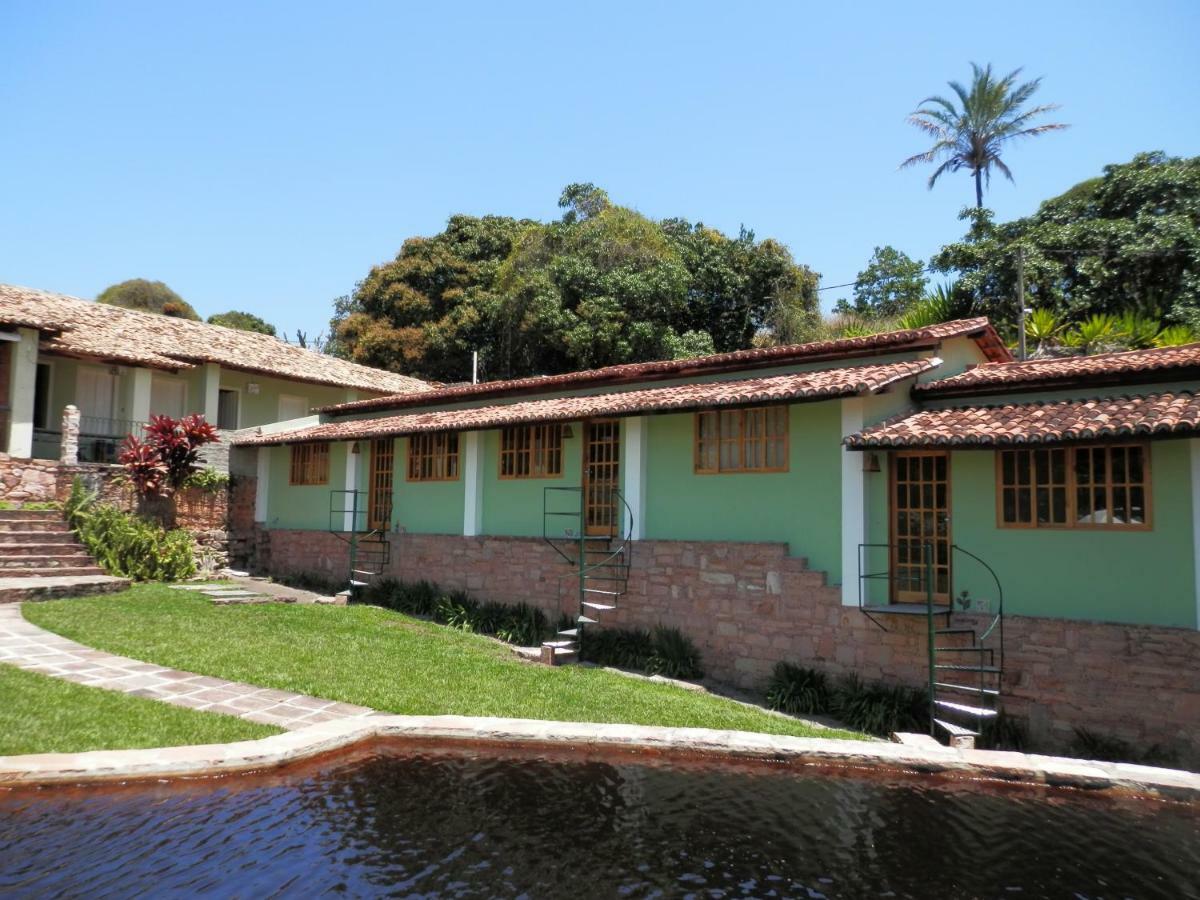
263,156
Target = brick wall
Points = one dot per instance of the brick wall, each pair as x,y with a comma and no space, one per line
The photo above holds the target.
749,605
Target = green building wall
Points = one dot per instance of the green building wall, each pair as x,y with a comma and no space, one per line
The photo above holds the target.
426,507
800,507
513,506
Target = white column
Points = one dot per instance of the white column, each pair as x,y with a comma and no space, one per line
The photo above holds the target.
854,497
1194,447
348,523
139,395
263,483
633,472
472,483
212,392
22,391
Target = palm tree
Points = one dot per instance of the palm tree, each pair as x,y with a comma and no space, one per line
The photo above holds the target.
971,135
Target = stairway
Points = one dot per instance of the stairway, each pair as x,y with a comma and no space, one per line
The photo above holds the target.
40,558
370,550
966,684
601,564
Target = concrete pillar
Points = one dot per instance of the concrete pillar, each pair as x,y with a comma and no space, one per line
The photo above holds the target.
1194,449
69,452
351,484
212,392
633,472
263,482
22,390
139,396
472,455
854,502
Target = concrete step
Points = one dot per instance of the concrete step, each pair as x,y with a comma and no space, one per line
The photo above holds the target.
22,590
27,524
41,548
50,515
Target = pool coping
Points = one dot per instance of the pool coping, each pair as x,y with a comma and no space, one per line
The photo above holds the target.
327,737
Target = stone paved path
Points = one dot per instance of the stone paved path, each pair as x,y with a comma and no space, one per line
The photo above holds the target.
27,646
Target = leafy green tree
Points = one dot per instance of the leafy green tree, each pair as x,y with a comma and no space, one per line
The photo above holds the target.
1127,242
602,285
148,296
891,283
972,133
243,321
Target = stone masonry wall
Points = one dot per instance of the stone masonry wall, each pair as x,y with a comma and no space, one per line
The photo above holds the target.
27,480
750,605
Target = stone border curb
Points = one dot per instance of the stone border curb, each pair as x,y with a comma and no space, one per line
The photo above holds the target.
315,740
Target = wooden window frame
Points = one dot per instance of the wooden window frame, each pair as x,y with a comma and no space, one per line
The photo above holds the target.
309,464
742,440
539,458
436,448
1072,487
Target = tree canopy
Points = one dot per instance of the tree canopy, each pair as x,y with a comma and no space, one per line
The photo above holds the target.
243,321
599,286
1128,241
892,283
148,296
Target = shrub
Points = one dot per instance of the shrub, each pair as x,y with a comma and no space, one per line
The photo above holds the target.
317,582
879,708
665,651
1106,748
209,480
799,691
127,546
165,459
1004,732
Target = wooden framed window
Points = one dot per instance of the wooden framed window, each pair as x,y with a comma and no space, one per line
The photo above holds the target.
310,464
742,440
531,451
1096,486
433,457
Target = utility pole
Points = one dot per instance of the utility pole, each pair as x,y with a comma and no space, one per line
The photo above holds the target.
1021,303
474,367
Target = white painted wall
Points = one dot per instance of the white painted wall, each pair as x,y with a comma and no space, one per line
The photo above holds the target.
854,499
22,390
633,471
472,450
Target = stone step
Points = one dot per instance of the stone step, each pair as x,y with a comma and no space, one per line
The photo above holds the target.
21,590
27,524
42,560
89,568
41,548
37,537
51,515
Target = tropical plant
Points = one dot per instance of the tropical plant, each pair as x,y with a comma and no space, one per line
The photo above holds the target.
973,133
162,462
1174,336
1137,331
879,708
208,480
798,690
929,311
1094,334
664,651
1042,326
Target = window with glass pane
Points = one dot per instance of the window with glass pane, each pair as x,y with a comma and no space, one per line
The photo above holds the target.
433,457
1076,487
742,440
531,451
310,464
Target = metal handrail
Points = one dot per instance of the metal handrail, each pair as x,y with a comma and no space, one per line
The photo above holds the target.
617,495
998,618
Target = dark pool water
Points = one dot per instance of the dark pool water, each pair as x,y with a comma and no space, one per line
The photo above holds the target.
405,821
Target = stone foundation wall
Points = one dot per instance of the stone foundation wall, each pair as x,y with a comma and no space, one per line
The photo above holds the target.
27,480
750,605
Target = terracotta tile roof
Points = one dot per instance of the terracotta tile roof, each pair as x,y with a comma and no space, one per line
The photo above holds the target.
1158,415
888,342
1159,363
801,386
81,328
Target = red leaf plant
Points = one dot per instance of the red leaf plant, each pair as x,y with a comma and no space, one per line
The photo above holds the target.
160,463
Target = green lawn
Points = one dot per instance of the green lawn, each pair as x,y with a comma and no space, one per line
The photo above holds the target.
380,659
40,714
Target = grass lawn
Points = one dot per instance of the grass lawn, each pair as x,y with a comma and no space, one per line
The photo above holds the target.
40,714
380,659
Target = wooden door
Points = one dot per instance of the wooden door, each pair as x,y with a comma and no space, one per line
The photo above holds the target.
920,516
379,484
601,476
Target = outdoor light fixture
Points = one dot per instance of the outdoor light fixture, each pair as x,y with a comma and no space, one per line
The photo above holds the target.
870,462
568,432
354,448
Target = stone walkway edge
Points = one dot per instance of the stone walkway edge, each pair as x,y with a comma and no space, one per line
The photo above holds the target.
337,734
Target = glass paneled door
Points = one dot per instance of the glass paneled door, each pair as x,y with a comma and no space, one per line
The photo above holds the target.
601,475
379,485
920,516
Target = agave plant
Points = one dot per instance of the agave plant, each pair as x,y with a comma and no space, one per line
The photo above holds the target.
1042,325
1137,331
1094,334
933,309
1174,336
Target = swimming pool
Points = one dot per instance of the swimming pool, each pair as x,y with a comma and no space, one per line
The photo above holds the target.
397,819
